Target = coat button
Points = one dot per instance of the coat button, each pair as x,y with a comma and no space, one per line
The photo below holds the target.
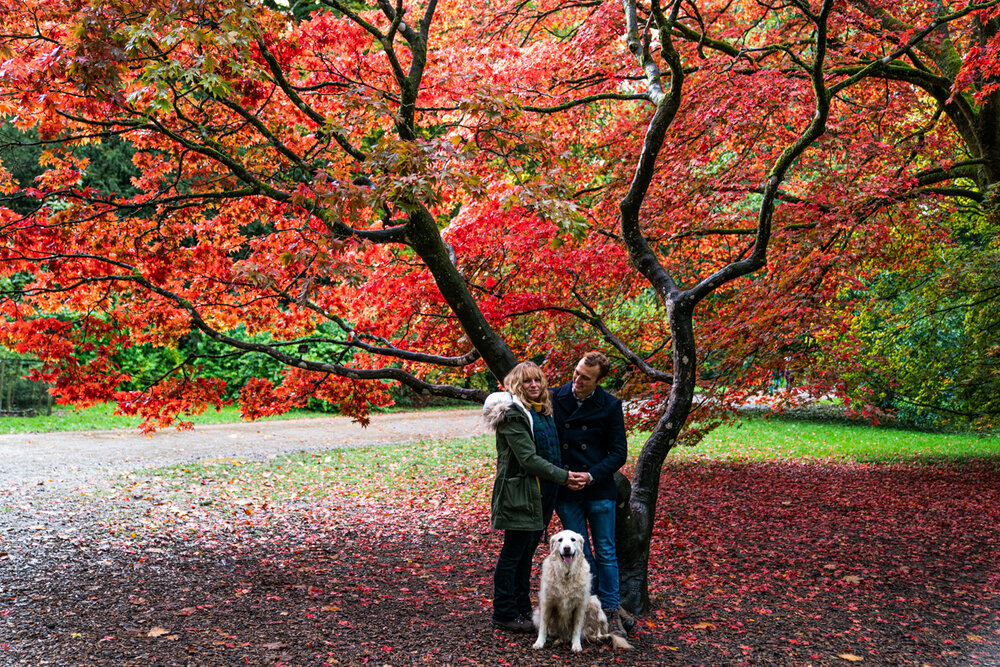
583,428
565,446
583,446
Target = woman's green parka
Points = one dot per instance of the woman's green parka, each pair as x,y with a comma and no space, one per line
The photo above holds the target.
517,496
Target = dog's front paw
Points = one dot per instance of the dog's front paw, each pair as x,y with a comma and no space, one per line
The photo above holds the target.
576,647
539,643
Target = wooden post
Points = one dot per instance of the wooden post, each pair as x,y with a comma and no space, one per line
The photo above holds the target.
3,378
15,371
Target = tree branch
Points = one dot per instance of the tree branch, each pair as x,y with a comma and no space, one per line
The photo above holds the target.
597,323
667,106
812,132
279,78
274,350
587,100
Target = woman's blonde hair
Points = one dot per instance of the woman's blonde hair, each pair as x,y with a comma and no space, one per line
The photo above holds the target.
514,383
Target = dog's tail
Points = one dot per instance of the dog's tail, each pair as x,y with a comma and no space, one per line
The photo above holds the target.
620,642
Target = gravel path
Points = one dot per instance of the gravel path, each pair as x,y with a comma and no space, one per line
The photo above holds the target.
58,461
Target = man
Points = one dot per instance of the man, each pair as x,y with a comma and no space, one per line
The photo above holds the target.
592,435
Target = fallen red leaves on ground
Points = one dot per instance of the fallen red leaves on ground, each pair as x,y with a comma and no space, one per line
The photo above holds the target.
755,563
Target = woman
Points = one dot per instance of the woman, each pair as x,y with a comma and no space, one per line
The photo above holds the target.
524,491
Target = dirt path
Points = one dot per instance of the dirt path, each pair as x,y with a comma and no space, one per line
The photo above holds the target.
57,461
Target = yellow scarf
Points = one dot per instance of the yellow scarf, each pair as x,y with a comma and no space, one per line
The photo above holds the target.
537,407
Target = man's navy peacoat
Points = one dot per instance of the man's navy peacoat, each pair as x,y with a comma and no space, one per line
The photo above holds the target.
593,440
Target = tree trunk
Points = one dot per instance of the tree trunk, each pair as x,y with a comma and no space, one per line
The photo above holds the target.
636,517
633,554
426,241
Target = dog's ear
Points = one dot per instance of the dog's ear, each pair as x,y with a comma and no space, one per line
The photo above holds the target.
552,542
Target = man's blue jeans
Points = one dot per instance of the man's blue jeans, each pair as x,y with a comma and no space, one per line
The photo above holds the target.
600,516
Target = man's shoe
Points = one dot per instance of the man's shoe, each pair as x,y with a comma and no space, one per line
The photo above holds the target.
615,626
519,624
619,638
527,619
628,620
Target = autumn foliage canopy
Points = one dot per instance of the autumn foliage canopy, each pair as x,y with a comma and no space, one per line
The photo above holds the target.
405,183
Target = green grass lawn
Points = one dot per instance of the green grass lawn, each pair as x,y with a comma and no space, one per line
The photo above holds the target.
381,471
465,466
102,418
750,438
759,438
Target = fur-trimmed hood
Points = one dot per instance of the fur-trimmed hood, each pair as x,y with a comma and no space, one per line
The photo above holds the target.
496,406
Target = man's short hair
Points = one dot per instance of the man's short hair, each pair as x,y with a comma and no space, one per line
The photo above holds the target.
595,358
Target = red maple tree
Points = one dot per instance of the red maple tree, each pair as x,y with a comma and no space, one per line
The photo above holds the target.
437,191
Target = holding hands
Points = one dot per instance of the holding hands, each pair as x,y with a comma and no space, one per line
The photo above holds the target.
577,480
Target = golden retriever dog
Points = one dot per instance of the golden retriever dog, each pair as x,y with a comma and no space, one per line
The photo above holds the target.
566,609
